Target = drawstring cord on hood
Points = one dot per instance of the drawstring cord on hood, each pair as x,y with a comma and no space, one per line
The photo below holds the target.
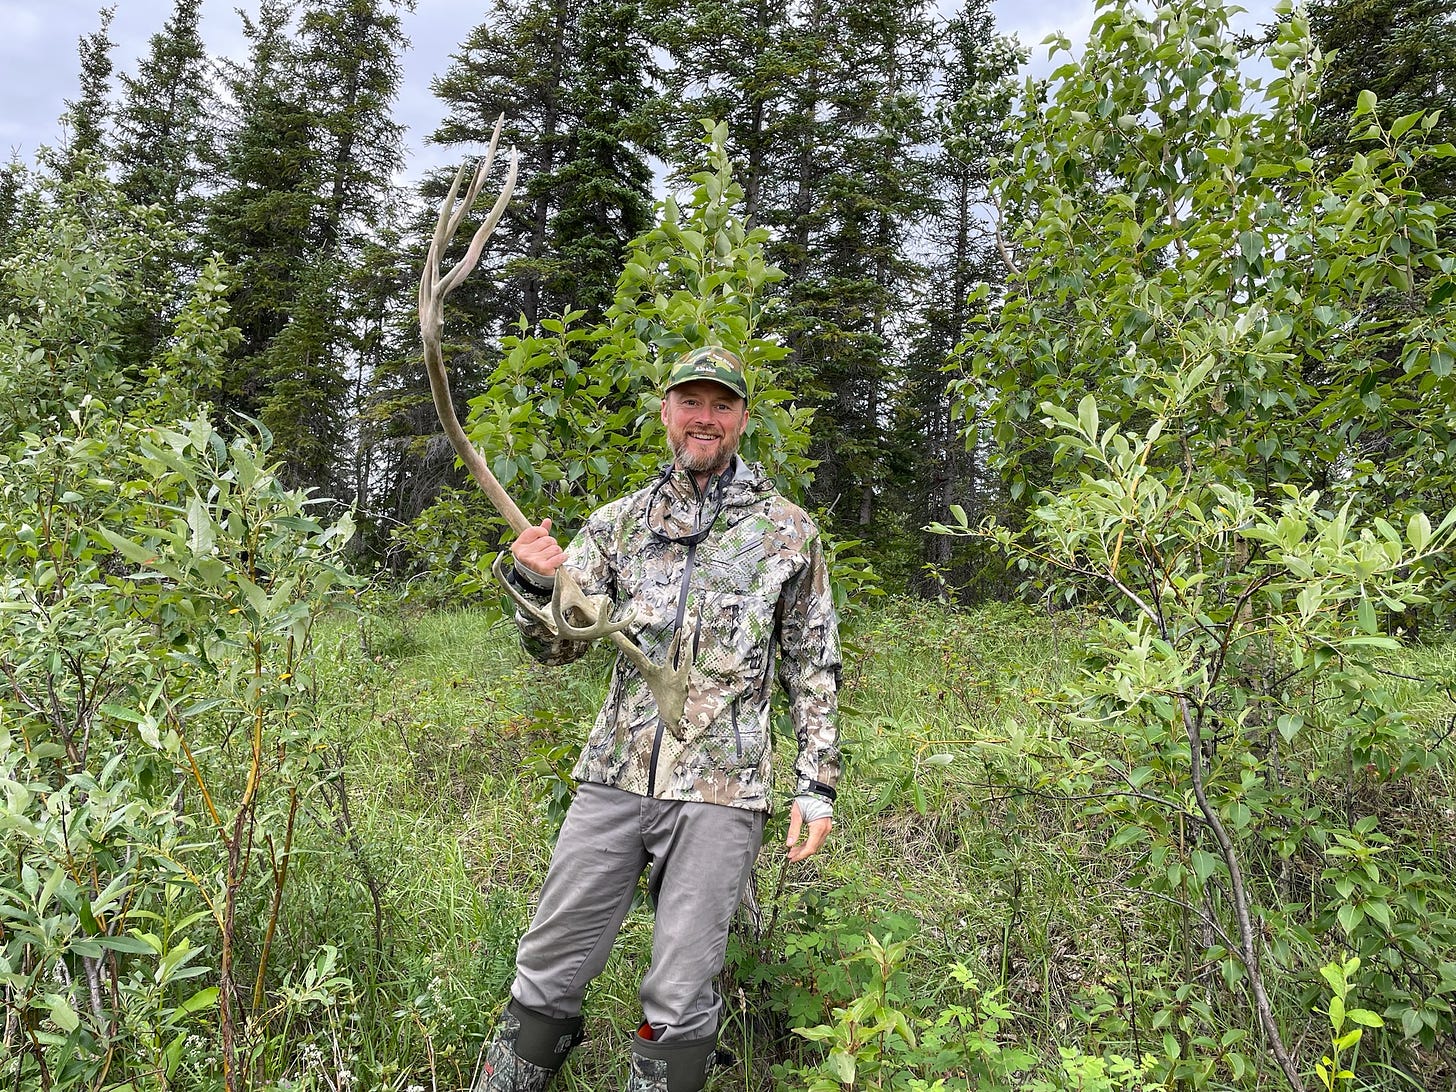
717,487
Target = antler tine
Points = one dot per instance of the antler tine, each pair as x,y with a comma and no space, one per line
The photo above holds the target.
453,214
566,596
433,290
668,681
482,169
463,267
448,220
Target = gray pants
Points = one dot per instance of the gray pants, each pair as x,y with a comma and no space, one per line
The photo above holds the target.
701,857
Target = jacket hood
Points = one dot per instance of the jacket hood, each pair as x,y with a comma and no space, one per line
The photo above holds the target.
676,506
744,485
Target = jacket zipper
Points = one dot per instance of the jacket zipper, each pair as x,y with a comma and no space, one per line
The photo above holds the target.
682,609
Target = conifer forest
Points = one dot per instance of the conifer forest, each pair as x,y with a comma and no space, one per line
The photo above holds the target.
1120,384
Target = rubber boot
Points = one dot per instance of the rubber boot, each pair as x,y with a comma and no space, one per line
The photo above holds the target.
526,1051
671,1067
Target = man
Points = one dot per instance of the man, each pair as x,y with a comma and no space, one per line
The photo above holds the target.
712,549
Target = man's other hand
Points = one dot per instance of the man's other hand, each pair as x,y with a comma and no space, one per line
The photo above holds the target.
813,835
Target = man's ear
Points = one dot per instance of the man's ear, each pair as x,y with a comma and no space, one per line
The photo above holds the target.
662,412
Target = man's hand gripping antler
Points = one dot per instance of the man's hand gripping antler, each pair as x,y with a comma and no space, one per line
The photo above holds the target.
573,615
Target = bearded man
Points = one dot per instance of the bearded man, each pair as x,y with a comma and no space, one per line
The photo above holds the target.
713,551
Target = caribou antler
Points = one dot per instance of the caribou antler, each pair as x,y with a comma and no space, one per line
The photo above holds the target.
669,681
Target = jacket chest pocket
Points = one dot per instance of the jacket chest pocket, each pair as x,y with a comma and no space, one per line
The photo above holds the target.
650,577
739,572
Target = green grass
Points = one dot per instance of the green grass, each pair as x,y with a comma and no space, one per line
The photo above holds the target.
951,831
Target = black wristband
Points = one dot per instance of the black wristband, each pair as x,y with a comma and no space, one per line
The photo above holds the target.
529,578
817,788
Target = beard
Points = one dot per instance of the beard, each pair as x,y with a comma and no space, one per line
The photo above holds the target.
697,458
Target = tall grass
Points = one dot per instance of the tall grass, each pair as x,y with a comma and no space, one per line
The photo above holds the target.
952,834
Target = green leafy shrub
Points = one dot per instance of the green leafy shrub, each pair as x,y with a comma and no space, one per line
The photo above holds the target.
158,734
156,727
1239,354
878,1039
569,417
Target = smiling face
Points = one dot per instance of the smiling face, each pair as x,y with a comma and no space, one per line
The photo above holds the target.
704,422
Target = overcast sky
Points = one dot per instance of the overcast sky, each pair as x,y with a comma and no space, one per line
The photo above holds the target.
39,64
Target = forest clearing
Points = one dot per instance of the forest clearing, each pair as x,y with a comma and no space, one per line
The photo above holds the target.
1121,402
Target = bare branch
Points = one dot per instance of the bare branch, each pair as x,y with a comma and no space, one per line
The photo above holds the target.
1248,946
1006,259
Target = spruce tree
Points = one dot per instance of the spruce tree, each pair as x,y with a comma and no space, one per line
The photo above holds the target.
976,87
513,64
574,84
846,226
827,107
308,176
732,63
14,179
349,55
86,116
351,59
261,216
382,287
603,186
165,121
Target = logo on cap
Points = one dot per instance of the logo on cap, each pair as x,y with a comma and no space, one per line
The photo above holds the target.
709,362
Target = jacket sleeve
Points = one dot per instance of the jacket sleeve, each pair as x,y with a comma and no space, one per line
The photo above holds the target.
589,558
809,667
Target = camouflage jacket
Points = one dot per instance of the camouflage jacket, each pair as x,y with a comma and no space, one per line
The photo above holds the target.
756,587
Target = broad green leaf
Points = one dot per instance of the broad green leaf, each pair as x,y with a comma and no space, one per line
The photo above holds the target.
1087,416
1379,911
1418,531
1349,917
202,999
66,1018
130,945
202,532
1402,125
1289,725
1204,864
1128,835
132,551
48,891
1365,617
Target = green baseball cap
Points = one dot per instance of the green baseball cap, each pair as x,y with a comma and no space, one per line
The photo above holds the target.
709,362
